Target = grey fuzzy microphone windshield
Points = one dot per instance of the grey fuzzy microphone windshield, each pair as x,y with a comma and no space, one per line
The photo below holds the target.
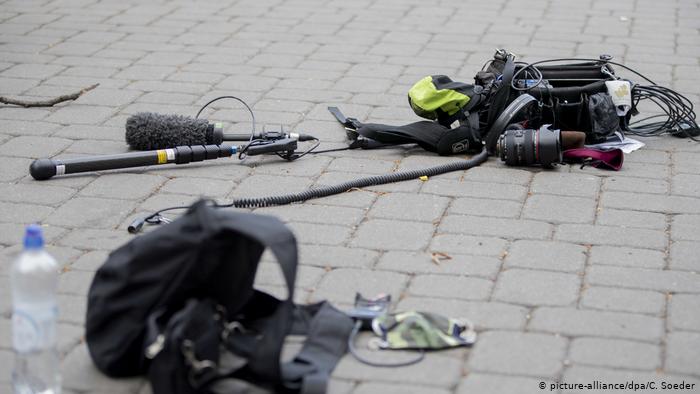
148,131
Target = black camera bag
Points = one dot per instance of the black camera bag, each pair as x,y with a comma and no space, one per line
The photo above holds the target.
192,280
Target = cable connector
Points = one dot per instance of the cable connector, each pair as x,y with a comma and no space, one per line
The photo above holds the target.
136,225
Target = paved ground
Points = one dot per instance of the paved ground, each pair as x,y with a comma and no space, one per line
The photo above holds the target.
570,275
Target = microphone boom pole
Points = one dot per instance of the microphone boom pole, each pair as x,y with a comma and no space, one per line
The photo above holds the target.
43,169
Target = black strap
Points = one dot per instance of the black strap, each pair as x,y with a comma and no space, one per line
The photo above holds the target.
504,119
501,96
327,333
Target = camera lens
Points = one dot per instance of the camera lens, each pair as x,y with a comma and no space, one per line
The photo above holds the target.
529,147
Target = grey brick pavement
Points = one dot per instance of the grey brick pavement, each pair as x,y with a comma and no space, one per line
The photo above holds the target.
569,275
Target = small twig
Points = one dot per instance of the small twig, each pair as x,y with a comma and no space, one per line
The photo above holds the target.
46,103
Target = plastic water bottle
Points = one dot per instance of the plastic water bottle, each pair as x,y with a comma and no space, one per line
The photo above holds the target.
34,279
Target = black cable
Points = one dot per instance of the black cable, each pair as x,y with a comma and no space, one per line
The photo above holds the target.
353,350
252,115
524,69
678,116
324,191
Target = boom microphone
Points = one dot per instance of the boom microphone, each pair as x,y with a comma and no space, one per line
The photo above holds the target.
148,131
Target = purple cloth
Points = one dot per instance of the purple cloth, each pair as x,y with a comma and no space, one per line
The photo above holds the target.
607,159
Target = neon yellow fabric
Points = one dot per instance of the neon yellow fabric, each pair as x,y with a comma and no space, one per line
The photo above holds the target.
426,99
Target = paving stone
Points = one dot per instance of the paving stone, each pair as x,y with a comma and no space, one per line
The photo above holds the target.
321,214
81,114
587,374
72,309
34,146
684,256
456,188
518,353
33,71
405,206
607,235
336,256
394,388
271,274
559,209
264,185
35,193
75,282
123,186
464,244
321,234
23,213
686,185
546,255
624,256
561,183
85,132
681,356
484,315
25,128
486,207
341,284
160,201
108,97
450,287
504,228
80,374
579,322
640,278
254,83
198,186
686,162
13,168
685,227
635,219
90,212
642,185
90,261
449,367
91,239
478,382
615,353
309,167
425,263
498,175
624,300
362,166
210,169
684,312
383,234
528,287
12,233
651,202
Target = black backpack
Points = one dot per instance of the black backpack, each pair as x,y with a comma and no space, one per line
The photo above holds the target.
179,305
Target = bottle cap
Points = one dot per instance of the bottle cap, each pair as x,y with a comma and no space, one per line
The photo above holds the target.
33,237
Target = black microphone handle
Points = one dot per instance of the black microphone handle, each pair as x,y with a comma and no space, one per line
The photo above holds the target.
42,169
239,137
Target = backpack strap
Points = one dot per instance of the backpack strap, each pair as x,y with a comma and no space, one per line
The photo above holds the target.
502,95
327,330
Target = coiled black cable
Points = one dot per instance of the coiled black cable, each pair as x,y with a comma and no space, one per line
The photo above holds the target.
324,191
